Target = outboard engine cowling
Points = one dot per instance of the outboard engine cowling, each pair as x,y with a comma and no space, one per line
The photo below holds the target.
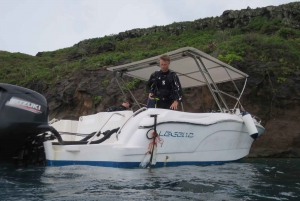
21,112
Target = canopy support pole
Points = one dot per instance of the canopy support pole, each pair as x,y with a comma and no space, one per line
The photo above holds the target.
214,84
233,82
208,84
119,84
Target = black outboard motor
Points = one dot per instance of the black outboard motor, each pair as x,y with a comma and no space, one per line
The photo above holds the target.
21,112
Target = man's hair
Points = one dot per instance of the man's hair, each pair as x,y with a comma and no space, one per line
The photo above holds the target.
128,99
165,58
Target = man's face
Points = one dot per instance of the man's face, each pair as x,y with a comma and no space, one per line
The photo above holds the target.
164,65
127,104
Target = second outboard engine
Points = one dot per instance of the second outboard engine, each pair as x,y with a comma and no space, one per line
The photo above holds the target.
21,112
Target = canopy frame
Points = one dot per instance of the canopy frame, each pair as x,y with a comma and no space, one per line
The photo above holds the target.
206,70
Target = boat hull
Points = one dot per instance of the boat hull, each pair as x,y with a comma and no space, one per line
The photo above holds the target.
188,139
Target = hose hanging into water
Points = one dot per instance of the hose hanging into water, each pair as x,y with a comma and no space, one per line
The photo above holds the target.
154,137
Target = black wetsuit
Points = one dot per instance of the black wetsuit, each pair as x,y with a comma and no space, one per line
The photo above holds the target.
116,108
166,87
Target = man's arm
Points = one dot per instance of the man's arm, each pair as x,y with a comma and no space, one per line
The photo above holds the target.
150,83
149,86
177,92
177,89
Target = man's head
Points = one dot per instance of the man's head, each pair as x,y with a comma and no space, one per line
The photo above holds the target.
164,62
127,102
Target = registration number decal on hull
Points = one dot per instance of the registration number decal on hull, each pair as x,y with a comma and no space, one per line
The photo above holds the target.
176,134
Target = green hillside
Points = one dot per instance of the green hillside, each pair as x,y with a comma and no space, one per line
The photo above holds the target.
262,39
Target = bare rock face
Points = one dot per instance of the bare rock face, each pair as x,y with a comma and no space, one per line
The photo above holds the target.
278,109
282,136
106,47
87,92
229,19
39,54
239,18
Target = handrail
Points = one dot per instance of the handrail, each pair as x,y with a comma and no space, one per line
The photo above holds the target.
103,126
133,115
138,111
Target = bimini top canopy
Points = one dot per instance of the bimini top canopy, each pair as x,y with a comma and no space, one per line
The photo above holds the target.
188,63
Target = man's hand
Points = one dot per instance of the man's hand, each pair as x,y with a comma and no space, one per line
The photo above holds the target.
174,105
150,96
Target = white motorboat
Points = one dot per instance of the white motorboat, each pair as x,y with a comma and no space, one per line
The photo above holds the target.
184,138
128,138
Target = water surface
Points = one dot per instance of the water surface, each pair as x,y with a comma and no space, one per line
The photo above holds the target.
250,179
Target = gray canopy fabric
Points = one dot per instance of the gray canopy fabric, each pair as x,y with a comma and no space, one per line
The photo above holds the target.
184,64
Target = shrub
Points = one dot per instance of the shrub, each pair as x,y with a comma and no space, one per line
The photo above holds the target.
229,58
288,33
132,84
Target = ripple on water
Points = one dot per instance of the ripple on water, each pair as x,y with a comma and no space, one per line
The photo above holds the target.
246,180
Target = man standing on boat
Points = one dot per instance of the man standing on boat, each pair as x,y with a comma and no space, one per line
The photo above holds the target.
164,87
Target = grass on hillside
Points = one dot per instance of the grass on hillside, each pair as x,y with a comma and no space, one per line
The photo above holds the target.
260,40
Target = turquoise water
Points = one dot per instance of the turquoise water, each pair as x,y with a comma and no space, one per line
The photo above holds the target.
249,179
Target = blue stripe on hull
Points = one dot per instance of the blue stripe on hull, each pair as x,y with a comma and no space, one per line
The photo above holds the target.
130,164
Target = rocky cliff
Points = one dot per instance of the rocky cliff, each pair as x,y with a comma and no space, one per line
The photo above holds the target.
290,13
93,90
